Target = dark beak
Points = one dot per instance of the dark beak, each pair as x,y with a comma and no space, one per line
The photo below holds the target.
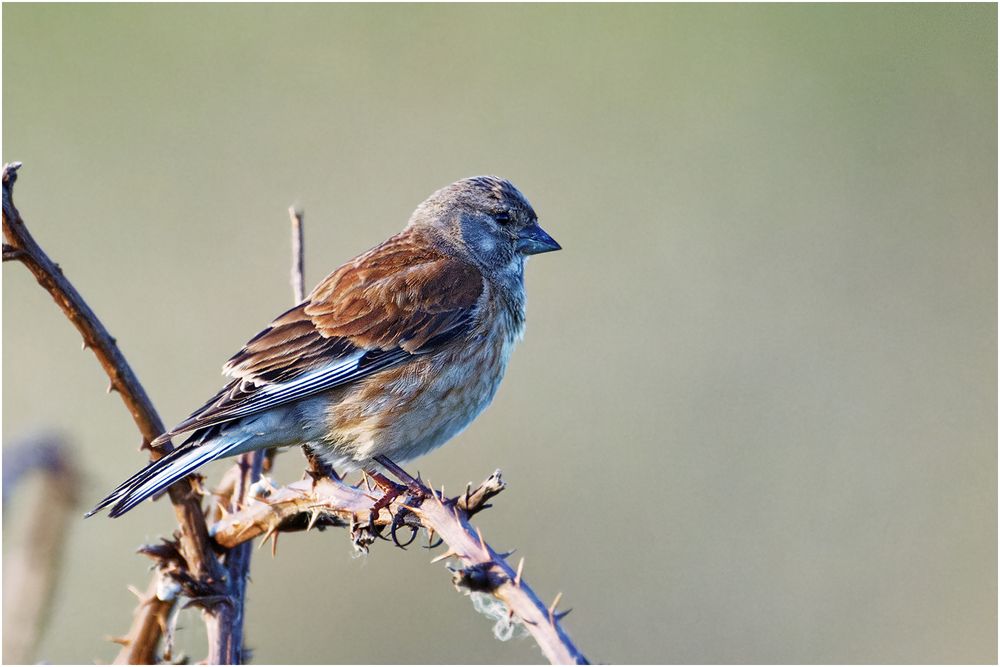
533,240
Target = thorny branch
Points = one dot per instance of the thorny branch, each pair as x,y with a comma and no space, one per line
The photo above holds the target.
227,627
20,245
149,624
331,501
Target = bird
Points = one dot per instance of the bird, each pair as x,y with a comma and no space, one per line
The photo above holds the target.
390,356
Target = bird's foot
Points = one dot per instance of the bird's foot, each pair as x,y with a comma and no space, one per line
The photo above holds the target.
390,491
416,491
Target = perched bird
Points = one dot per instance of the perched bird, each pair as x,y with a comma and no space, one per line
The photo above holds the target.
390,355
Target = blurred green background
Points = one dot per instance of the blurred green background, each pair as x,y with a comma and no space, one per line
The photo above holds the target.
754,416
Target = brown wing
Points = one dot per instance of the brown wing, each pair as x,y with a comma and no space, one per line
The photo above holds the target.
403,295
399,299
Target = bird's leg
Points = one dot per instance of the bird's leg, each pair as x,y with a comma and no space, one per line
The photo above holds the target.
417,493
390,491
416,488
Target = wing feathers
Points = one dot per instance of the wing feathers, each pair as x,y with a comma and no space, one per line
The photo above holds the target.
402,298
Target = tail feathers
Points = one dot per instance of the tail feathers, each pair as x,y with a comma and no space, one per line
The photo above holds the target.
122,488
160,474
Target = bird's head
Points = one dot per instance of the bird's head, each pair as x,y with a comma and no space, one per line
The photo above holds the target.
488,220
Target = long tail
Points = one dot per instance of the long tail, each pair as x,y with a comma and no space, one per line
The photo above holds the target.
160,474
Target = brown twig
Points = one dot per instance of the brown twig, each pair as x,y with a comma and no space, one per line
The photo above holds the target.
298,255
195,544
10,253
483,570
50,276
31,566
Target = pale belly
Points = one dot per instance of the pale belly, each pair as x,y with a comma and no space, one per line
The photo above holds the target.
408,411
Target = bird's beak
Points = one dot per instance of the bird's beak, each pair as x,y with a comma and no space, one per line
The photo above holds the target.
533,240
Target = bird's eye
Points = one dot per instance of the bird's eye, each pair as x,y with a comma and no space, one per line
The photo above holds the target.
502,217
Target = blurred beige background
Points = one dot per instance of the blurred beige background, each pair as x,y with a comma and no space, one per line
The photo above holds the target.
754,416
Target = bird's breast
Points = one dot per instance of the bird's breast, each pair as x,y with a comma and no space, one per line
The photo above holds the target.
408,410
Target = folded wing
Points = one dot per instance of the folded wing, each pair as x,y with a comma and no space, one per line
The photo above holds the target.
400,299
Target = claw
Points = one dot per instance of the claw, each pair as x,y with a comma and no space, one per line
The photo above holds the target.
407,507
430,543
397,521
374,529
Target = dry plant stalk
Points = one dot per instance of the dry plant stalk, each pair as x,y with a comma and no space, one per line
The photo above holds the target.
298,255
188,565
31,567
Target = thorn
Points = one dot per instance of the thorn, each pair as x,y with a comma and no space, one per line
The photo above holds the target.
196,485
507,554
274,545
431,544
244,527
367,481
136,592
517,578
555,603
124,641
560,615
111,387
162,622
84,346
272,531
448,554
313,518
468,493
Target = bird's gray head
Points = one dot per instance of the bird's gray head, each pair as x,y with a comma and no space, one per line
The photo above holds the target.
488,219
